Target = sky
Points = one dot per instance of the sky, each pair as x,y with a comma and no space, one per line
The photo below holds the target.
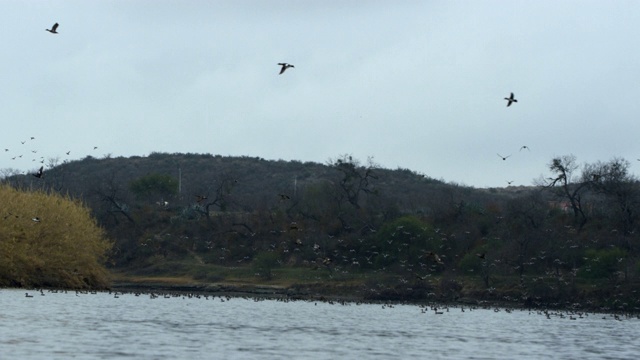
418,85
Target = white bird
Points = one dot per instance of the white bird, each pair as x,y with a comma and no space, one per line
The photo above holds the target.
504,157
285,66
53,29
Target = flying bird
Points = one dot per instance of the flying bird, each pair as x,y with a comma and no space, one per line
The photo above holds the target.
504,157
510,100
68,152
39,173
285,66
435,257
284,197
524,147
54,29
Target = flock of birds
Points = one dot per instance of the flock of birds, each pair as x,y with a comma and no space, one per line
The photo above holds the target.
435,259
40,172
424,308
283,67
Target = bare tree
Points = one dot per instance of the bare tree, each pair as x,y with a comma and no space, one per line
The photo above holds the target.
563,183
356,179
111,193
222,189
612,179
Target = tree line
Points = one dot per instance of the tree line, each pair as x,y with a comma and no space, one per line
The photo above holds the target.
572,233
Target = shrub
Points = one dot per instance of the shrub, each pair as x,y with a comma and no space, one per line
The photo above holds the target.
264,263
48,240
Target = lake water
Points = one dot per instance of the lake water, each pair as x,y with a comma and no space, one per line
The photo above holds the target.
101,326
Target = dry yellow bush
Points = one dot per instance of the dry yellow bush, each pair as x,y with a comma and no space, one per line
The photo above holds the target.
48,240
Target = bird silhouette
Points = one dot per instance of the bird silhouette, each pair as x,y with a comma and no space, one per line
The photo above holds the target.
510,100
284,197
509,182
285,66
504,157
39,173
434,256
54,29
524,147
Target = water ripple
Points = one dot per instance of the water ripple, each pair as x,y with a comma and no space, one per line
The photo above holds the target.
62,326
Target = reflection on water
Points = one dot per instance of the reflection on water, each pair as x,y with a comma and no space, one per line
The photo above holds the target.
67,325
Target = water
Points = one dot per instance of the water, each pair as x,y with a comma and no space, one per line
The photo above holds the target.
100,326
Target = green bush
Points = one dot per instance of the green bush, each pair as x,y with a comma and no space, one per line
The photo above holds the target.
162,186
602,263
264,263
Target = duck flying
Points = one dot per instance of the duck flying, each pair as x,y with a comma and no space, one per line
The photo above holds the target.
510,100
54,29
39,173
285,66
201,198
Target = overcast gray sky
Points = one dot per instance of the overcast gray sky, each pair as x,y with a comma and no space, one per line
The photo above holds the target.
415,84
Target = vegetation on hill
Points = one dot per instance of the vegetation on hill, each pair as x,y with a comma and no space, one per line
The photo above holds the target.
47,240
381,233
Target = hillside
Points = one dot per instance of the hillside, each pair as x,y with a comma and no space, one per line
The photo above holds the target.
382,233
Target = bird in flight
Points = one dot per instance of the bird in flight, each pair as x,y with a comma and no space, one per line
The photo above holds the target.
285,66
54,29
509,182
39,173
510,100
504,157
284,197
524,147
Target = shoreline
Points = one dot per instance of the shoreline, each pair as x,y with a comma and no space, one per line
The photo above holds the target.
299,293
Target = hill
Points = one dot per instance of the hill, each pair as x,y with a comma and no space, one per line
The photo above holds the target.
384,234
